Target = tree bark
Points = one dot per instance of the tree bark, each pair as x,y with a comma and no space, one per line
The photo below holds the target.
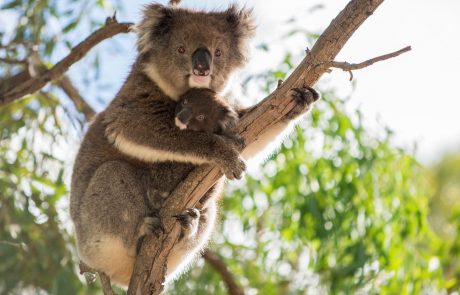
150,267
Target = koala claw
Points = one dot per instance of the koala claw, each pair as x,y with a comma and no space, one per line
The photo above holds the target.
305,94
305,97
153,225
240,141
189,222
234,169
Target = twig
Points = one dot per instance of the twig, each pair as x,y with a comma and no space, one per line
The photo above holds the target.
150,267
349,67
12,61
105,280
110,29
72,92
214,260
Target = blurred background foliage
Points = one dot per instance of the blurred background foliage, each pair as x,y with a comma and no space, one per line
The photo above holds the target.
337,209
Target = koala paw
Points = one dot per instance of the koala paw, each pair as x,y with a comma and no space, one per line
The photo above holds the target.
189,221
153,224
233,169
305,97
240,142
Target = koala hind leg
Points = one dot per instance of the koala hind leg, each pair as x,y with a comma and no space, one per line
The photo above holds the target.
110,219
197,226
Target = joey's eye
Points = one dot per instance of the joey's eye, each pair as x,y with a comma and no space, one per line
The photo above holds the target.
218,52
200,117
185,102
181,49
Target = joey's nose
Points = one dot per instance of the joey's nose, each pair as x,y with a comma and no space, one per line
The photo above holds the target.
183,116
201,62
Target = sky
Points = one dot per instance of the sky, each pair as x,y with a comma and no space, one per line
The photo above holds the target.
413,94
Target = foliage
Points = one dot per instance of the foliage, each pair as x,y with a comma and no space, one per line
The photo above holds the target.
337,209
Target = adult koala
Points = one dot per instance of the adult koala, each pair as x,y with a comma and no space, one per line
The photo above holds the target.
133,154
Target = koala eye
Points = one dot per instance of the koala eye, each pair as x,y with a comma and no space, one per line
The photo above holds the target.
185,102
181,49
200,117
218,52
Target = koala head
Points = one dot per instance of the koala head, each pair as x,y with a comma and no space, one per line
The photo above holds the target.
182,48
200,109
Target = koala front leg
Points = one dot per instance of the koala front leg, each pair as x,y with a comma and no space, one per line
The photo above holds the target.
151,136
305,97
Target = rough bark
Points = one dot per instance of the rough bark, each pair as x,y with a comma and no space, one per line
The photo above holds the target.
150,267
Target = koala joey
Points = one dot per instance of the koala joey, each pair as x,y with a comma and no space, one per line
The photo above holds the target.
201,109
133,155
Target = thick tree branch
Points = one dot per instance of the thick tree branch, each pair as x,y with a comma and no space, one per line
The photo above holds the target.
214,260
16,91
150,267
72,92
349,67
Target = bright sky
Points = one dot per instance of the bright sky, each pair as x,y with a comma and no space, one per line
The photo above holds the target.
413,94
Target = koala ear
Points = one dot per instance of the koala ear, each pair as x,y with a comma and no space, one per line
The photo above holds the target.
231,118
240,21
157,20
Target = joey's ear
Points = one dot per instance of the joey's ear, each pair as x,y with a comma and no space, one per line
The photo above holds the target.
240,21
156,22
231,117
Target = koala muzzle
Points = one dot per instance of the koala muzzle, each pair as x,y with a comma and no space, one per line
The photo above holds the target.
201,62
182,118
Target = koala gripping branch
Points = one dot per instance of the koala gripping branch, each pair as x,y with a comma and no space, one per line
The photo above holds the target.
150,268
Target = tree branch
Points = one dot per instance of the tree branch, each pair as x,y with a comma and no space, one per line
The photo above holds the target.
214,260
72,92
348,67
150,267
12,61
16,91
105,280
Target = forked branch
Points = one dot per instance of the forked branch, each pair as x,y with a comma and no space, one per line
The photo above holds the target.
349,67
28,86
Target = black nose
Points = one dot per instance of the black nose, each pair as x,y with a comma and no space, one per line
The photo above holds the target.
201,62
184,115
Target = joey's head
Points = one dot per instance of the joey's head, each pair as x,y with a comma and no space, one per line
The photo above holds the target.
201,109
182,48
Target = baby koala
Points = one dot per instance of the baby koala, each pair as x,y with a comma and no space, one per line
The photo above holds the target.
201,109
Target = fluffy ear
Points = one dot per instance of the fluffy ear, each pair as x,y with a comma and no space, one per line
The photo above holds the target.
231,117
240,21
157,20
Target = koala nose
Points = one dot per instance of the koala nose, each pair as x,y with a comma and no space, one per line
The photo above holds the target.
201,62
182,118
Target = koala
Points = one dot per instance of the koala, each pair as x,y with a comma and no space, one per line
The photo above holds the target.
133,155
201,109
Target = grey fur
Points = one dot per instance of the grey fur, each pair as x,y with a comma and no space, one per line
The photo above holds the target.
133,154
